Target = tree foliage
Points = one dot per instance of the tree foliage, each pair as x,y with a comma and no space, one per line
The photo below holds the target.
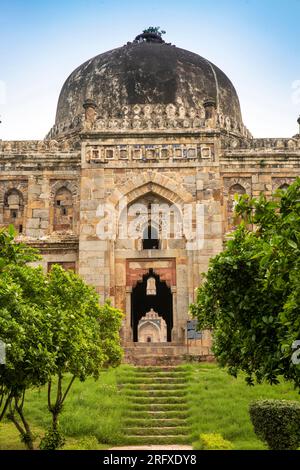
251,294
85,335
22,329
155,30
55,331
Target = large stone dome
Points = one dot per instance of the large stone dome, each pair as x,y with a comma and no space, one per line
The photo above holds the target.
146,71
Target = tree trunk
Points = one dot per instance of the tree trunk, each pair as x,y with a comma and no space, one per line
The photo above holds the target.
24,430
55,416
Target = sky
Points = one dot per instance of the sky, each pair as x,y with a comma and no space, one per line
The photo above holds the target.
255,42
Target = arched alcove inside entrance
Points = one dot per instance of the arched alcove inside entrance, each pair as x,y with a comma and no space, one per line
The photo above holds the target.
161,302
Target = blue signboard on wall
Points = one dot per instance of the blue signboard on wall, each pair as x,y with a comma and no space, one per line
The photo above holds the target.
191,329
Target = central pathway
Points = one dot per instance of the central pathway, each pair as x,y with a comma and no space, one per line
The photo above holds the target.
158,410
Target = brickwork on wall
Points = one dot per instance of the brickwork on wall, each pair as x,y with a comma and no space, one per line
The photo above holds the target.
165,269
52,192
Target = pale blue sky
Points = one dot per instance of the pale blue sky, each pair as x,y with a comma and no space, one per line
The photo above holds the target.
256,43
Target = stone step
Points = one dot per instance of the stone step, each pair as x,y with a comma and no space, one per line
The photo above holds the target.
154,422
153,347
161,440
157,431
159,407
145,379
154,393
154,386
152,389
153,400
151,371
163,369
169,379
153,359
158,414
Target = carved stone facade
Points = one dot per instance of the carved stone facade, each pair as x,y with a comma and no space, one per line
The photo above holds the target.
152,328
54,192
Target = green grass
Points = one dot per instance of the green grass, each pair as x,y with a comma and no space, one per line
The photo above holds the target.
91,416
96,411
9,439
219,404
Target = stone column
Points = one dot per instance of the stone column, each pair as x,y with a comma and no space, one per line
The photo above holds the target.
94,250
90,108
175,319
38,206
128,329
210,112
182,298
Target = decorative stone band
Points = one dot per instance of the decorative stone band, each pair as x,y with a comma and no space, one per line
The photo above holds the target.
36,146
151,118
106,153
75,126
268,145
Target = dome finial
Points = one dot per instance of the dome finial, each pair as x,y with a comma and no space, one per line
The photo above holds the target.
151,34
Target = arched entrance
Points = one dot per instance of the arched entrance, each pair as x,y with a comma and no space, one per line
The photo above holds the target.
159,300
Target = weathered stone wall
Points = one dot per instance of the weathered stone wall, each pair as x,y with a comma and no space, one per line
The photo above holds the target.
56,189
37,170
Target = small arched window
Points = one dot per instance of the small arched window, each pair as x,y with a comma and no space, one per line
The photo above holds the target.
14,209
284,187
233,190
150,238
237,189
63,210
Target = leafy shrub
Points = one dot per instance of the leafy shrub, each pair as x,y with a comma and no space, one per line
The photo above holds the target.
277,422
52,440
213,442
85,443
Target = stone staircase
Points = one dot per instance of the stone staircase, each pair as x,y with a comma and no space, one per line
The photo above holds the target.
158,410
164,354
154,354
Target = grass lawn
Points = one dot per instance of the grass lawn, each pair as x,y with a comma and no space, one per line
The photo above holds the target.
90,420
219,404
95,412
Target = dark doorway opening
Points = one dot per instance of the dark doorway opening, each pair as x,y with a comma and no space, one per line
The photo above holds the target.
150,238
141,303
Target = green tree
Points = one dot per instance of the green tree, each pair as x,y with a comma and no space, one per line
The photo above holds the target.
85,337
251,294
14,253
55,331
23,330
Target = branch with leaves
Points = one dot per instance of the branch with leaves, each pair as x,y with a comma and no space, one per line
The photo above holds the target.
251,294
57,332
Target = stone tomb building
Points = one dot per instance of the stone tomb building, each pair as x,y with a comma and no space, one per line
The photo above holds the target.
143,125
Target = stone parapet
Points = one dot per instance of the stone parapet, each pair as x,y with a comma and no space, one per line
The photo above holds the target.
152,118
265,145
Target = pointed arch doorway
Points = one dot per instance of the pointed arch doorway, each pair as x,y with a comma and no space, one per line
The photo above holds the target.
161,301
